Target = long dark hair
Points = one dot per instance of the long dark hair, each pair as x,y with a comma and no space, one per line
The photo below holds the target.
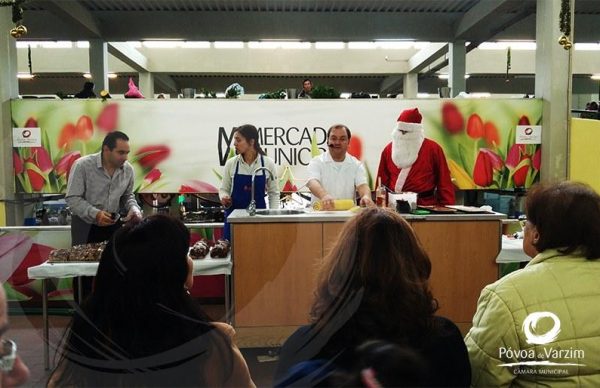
374,283
566,216
249,132
140,326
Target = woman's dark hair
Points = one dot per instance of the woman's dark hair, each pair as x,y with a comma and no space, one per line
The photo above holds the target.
392,365
249,132
566,216
374,282
140,326
110,140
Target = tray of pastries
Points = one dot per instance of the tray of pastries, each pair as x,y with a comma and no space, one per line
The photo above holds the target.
78,253
202,248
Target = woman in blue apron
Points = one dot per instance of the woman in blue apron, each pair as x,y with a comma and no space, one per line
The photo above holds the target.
235,192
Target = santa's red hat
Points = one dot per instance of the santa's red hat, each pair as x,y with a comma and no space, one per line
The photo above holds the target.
410,120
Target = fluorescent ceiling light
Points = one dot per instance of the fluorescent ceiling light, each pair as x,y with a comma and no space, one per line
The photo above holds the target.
446,76
514,45
83,44
87,75
421,45
229,45
161,43
275,44
196,45
112,75
134,43
45,44
25,76
345,95
362,45
595,77
394,45
330,45
587,46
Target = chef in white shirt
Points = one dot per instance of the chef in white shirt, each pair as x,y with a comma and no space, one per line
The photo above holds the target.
336,174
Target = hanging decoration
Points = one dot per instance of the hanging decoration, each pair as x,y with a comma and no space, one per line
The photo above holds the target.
507,64
17,17
29,59
565,24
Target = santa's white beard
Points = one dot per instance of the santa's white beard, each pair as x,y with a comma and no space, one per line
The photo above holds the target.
405,147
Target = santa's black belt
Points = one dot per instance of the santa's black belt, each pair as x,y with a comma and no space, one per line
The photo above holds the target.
426,194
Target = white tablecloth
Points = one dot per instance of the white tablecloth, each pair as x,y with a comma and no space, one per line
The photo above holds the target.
512,251
208,266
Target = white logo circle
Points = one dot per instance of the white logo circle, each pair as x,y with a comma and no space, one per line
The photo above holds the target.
530,323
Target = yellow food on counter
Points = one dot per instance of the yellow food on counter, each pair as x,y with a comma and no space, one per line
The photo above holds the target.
338,204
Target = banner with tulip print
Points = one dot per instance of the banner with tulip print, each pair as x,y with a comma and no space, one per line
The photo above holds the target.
182,145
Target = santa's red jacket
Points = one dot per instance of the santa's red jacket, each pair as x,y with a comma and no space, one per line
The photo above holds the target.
429,175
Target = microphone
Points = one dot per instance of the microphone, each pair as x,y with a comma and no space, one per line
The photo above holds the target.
330,145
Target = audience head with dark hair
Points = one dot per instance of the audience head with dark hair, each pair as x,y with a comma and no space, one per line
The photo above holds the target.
563,216
140,326
373,285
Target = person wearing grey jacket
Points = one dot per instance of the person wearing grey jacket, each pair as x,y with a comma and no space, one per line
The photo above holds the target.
100,185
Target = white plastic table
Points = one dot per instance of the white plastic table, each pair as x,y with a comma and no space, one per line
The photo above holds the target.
47,271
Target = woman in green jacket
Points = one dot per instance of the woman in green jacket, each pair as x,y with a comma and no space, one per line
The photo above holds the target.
540,326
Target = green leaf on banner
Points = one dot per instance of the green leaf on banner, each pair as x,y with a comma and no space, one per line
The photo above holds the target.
314,147
14,295
463,153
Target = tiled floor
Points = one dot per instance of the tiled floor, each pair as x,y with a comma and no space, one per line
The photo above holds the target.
26,331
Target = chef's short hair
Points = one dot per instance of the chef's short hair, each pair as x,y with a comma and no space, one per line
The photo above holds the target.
339,126
110,140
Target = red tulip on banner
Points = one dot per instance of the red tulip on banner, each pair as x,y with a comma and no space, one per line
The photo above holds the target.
197,186
475,127
84,129
66,135
36,177
537,159
520,175
355,147
492,138
524,120
17,163
452,119
485,164
42,158
31,123
514,155
152,176
289,187
63,167
150,156
107,119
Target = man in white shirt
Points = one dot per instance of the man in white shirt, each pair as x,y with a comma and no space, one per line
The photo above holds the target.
337,175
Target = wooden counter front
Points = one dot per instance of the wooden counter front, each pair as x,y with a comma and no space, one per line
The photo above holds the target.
275,266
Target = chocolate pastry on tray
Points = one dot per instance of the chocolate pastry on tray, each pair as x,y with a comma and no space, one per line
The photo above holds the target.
220,249
199,250
84,252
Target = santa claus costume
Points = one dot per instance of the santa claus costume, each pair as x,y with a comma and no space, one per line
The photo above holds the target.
415,164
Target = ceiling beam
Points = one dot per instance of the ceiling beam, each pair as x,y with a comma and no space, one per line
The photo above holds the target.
426,56
76,16
129,56
486,16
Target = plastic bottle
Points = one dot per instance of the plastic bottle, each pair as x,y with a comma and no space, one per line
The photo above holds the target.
380,194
